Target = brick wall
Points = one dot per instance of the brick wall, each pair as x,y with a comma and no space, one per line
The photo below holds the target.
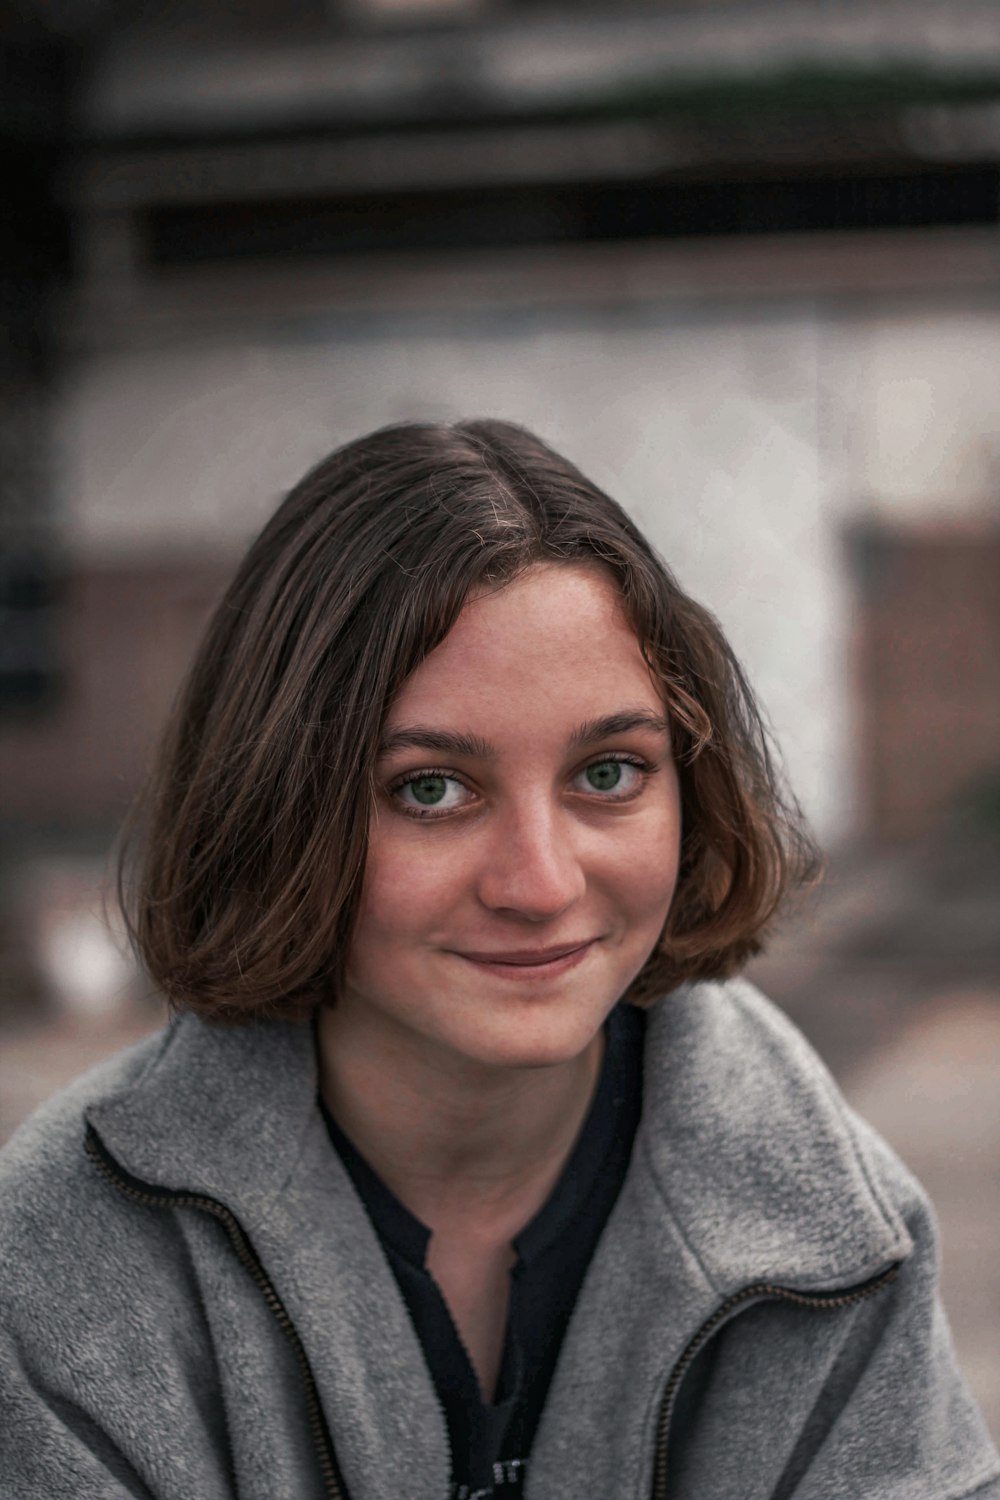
125,635
927,649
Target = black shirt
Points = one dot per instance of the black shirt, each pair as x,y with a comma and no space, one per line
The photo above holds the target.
490,1441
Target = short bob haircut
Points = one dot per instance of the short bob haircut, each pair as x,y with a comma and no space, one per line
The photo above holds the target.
241,868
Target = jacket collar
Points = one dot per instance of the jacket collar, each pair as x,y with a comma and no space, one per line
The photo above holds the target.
750,1150
218,1110
232,1113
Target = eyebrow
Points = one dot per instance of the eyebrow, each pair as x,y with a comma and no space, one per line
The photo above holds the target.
471,746
620,723
446,741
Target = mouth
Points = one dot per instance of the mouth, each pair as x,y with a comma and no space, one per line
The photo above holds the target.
531,963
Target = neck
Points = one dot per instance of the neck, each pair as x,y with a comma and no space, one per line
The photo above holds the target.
458,1143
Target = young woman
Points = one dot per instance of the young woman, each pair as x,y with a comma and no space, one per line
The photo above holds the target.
465,1166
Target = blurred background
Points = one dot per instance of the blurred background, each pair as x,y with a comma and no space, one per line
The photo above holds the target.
740,261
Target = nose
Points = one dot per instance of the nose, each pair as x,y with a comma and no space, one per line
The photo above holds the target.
532,869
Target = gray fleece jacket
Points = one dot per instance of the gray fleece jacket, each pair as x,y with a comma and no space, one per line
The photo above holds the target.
194,1305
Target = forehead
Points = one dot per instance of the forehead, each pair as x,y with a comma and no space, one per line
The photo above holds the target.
556,640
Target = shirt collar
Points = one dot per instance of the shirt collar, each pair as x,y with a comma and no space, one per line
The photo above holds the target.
410,1238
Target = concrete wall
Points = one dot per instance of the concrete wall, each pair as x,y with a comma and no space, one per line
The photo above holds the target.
742,437
704,428
919,388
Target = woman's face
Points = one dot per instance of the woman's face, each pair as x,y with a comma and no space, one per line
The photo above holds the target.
525,835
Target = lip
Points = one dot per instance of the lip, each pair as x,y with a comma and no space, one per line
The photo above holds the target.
531,963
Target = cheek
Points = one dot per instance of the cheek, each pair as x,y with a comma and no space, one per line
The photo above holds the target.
388,908
649,860
647,874
647,888
407,891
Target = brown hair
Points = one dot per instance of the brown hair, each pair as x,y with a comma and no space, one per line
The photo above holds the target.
240,872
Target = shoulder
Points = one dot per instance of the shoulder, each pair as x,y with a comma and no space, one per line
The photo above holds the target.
105,1350
772,1042
62,1230
739,1058
44,1155
744,1125
776,1182
743,1030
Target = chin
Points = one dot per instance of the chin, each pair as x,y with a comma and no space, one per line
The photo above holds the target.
542,1035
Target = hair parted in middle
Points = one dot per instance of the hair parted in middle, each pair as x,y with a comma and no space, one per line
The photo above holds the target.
241,872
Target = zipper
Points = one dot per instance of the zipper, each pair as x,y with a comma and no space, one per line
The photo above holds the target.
156,1197
760,1291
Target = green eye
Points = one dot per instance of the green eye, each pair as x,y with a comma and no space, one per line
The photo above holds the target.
428,790
605,776
616,780
431,794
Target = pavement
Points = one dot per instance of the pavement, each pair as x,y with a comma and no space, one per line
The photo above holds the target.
891,968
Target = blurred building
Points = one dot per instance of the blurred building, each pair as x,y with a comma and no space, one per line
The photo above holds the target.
740,261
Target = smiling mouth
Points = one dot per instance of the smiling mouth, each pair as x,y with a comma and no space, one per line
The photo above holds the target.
526,962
